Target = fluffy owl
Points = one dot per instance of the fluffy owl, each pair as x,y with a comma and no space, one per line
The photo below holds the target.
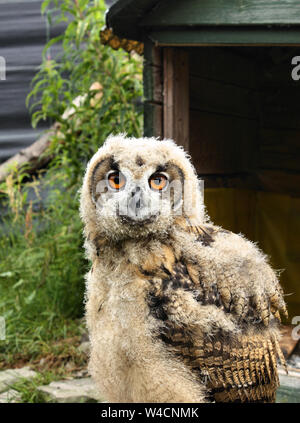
178,310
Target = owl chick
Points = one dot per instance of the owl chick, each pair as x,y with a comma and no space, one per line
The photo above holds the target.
178,310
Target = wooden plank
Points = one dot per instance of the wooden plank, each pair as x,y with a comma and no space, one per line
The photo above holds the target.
158,121
280,141
293,239
242,180
279,149
153,120
152,53
280,107
169,93
279,181
274,160
215,96
182,101
287,119
222,144
176,96
287,342
276,181
222,64
153,87
153,73
223,12
153,83
226,36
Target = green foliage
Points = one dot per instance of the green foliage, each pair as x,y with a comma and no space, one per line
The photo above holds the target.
100,88
27,388
90,91
41,265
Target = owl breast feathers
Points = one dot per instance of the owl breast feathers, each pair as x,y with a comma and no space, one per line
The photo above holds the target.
178,309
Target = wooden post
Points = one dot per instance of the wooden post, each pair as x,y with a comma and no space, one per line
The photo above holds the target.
176,96
153,87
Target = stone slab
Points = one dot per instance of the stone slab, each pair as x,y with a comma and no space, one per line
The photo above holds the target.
71,391
11,376
10,396
289,390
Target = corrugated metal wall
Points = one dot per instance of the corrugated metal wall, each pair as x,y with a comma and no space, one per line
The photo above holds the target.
23,34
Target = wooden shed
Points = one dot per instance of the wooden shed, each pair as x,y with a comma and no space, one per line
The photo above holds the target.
218,79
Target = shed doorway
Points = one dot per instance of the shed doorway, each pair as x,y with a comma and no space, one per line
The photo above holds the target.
237,111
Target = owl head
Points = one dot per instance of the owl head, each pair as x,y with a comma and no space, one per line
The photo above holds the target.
136,187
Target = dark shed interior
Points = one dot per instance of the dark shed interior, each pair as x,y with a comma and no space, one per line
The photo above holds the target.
245,143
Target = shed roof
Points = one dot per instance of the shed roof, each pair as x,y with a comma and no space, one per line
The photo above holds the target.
133,19
124,17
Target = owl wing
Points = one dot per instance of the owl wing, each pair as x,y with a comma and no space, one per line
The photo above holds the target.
237,369
238,279
244,371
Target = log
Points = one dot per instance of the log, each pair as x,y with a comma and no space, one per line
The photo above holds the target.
32,155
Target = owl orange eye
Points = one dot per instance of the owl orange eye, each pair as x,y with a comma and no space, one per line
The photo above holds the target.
158,181
116,180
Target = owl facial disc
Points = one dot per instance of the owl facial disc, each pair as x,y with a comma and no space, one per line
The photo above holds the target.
132,200
138,187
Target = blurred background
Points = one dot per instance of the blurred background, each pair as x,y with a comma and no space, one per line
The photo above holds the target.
23,35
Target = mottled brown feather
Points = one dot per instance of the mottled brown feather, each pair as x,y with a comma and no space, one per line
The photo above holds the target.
243,371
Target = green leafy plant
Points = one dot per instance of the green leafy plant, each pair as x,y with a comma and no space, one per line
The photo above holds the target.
91,90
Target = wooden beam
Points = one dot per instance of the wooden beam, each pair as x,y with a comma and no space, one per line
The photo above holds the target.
221,143
176,96
153,88
188,13
226,36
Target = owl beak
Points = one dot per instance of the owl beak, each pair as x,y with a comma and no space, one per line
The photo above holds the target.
137,210
136,203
